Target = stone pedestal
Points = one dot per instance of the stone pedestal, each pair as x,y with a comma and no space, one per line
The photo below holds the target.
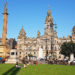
2,50
13,57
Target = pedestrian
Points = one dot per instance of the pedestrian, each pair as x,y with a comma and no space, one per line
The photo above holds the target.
17,66
35,62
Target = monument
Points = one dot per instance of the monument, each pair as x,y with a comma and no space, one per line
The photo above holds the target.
71,57
41,55
13,57
3,44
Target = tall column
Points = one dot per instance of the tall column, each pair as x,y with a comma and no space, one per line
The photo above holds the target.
4,25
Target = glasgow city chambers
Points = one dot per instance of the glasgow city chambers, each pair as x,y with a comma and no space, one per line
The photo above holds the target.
47,45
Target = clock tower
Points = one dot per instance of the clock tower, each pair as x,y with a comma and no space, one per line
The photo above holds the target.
49,24
73,33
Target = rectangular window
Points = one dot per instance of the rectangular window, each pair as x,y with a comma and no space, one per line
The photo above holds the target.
12,53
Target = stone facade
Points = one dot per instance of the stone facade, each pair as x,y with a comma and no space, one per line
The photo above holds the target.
49,42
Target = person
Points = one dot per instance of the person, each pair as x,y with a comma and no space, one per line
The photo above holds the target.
0,59
3,60
6,60
17,66
35,62
25,65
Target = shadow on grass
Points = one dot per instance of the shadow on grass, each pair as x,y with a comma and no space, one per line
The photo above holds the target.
15,71
12,71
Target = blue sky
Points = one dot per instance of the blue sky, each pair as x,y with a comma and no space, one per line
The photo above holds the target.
31,15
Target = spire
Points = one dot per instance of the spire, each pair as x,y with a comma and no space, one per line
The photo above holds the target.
22,30
22,33
49,12
49,17
73,31
73,28
49,23
38,34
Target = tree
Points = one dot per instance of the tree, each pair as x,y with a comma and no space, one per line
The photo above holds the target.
67,48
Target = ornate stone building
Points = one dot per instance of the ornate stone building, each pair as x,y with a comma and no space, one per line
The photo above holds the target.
47,45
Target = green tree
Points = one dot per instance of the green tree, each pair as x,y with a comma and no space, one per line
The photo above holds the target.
67,48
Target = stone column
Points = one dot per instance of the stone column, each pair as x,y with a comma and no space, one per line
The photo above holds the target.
4,25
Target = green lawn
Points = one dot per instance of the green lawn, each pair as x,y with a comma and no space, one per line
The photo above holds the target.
8,69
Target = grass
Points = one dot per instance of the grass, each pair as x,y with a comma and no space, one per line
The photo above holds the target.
42,69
